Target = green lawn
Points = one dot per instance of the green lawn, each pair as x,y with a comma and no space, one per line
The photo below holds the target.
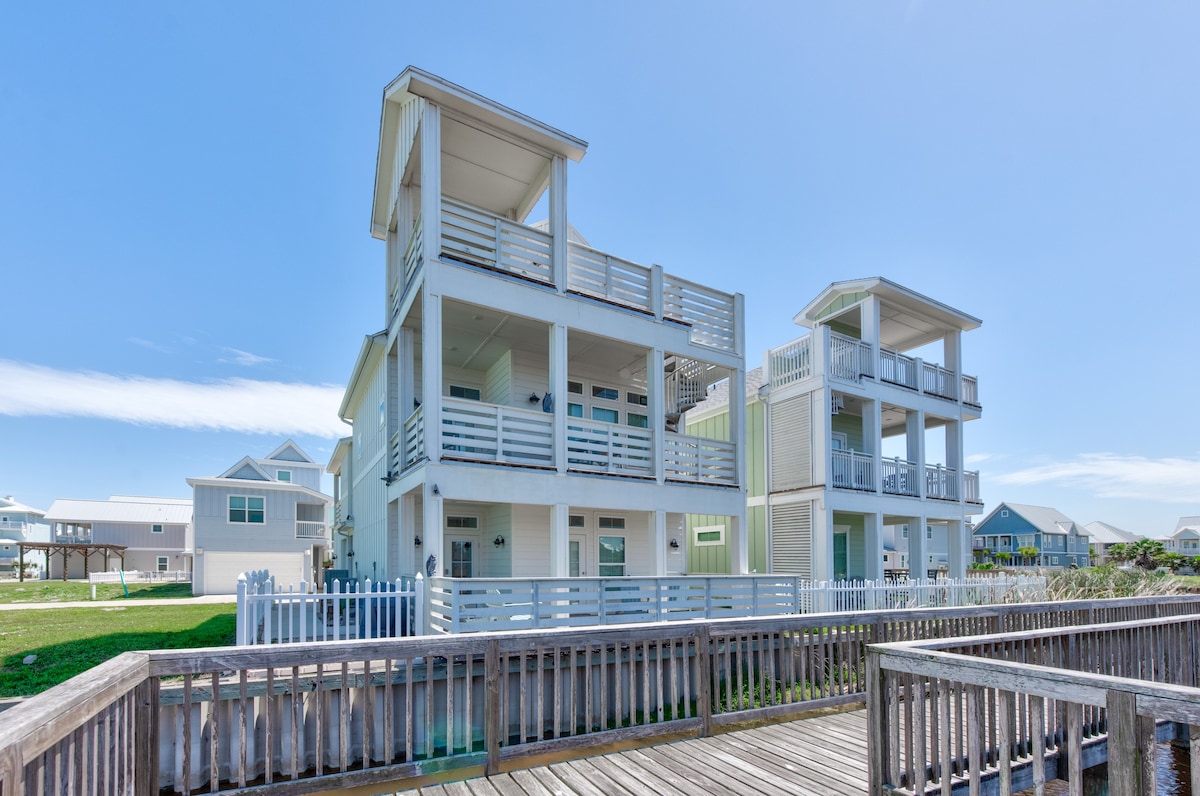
68,641
58,591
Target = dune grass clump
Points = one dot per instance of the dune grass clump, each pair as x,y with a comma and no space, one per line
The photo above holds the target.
1095,583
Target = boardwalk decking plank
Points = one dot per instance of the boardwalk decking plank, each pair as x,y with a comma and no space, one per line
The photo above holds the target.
570,782
482,786
766,772
841,768
555,785
800,775
529,783
659,771
698,776
619,770
584,769
704,765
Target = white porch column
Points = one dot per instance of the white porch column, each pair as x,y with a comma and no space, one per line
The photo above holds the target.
959,547
656,385
869,318
406,388
432,529
658,543
737,425
411,557
431,184
558,221
952,351
558,389
822,428
822,542
918,547
954,456
431,366
914,437
873,546
560,564
873,437
739,545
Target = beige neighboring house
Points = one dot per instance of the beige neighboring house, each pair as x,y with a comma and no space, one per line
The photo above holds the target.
84,533
1104,536
264,513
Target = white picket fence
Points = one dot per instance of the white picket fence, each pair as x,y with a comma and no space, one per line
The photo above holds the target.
145,576
268,613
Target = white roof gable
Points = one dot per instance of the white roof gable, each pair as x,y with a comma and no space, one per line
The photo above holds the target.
1187,522
10,504
247,470
290,452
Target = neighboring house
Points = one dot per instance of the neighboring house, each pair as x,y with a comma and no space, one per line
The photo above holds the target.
265,513
853,437
1103,536
147,534
1060,541
1186,538
519,413
20,523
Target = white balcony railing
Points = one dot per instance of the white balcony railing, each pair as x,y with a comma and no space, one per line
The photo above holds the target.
939,381
699,459
710,313
900,477
941,482
791,362
414,437
852,470
480,238
307,529
897,368
492,433
849,358
971,486
970,390
599,275
609,448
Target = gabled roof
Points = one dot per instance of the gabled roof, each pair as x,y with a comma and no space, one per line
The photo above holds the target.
718,394
1043,518
340,451
289,452
9,504
140,510
910,319
1103,533
368,355
1187,522
246,470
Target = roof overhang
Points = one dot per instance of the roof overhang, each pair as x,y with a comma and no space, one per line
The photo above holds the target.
414,82
891,295
274,486
340,452
368,357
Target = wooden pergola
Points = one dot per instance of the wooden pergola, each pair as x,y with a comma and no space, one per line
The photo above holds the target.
66,549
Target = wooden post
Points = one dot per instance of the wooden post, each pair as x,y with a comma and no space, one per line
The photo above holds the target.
1075,748
1123,770
705,678
877,728
491,708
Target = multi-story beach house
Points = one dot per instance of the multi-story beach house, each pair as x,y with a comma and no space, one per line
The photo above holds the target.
129,532
855,435
1185,539
520,412
264,513
1037,536
19,523
1103,536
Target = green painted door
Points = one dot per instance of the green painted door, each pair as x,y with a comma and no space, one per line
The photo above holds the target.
839,556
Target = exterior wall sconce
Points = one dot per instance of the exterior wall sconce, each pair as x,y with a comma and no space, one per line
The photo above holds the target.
499,541
436,491
416,541
674,544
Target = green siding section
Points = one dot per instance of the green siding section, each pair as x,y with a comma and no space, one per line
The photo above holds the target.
714,559
856,561
840,303
756,449
851,426
846,329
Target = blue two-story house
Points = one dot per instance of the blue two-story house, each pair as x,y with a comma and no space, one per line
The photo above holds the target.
1060,541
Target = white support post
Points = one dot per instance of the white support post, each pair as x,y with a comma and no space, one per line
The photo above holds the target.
954,456
411,558
431,364
558,389
432,532
658,543
657,299
560,541
870,329
739,544
873,431
431,185
656,385
914,428
737,426
822,539
958,546
952,352
558,222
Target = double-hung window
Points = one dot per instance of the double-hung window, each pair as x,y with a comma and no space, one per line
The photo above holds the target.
243,508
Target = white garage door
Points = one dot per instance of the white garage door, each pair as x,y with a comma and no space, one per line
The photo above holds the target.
221,570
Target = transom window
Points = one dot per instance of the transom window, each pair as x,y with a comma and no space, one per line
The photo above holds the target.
607,393
575,387
243,508
708,535
610,523
462,521
575,521
635,398
469,393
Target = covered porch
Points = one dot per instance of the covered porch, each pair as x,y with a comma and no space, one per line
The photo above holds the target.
870,546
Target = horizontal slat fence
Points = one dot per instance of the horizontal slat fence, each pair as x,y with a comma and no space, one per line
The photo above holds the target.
298,718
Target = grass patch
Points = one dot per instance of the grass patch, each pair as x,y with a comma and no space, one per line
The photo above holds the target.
58,591
68,641
1094,583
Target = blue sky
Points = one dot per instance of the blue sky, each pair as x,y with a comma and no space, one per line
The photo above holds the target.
187,269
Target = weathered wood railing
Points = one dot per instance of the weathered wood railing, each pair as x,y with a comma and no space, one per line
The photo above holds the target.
1014,709
299,718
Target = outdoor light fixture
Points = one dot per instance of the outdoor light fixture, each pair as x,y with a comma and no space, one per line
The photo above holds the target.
436,491
674,544
417,541
499,541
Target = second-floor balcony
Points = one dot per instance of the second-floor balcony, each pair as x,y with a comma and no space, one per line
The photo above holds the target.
856,471
475,431
475,237
851,359
311,529
11,529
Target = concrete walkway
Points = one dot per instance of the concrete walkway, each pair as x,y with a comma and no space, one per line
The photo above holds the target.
121,602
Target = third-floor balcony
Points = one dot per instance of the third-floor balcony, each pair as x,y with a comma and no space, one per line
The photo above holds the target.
474,237
852,359
857,471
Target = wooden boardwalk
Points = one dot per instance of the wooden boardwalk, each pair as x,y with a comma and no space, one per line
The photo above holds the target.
822,756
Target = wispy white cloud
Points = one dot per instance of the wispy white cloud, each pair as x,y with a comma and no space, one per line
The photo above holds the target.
162,349
976,458
1108,475
244,405
240,357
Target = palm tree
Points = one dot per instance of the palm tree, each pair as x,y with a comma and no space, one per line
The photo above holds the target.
1028,553
1118,553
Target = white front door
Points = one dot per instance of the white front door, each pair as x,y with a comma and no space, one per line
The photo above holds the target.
577,556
